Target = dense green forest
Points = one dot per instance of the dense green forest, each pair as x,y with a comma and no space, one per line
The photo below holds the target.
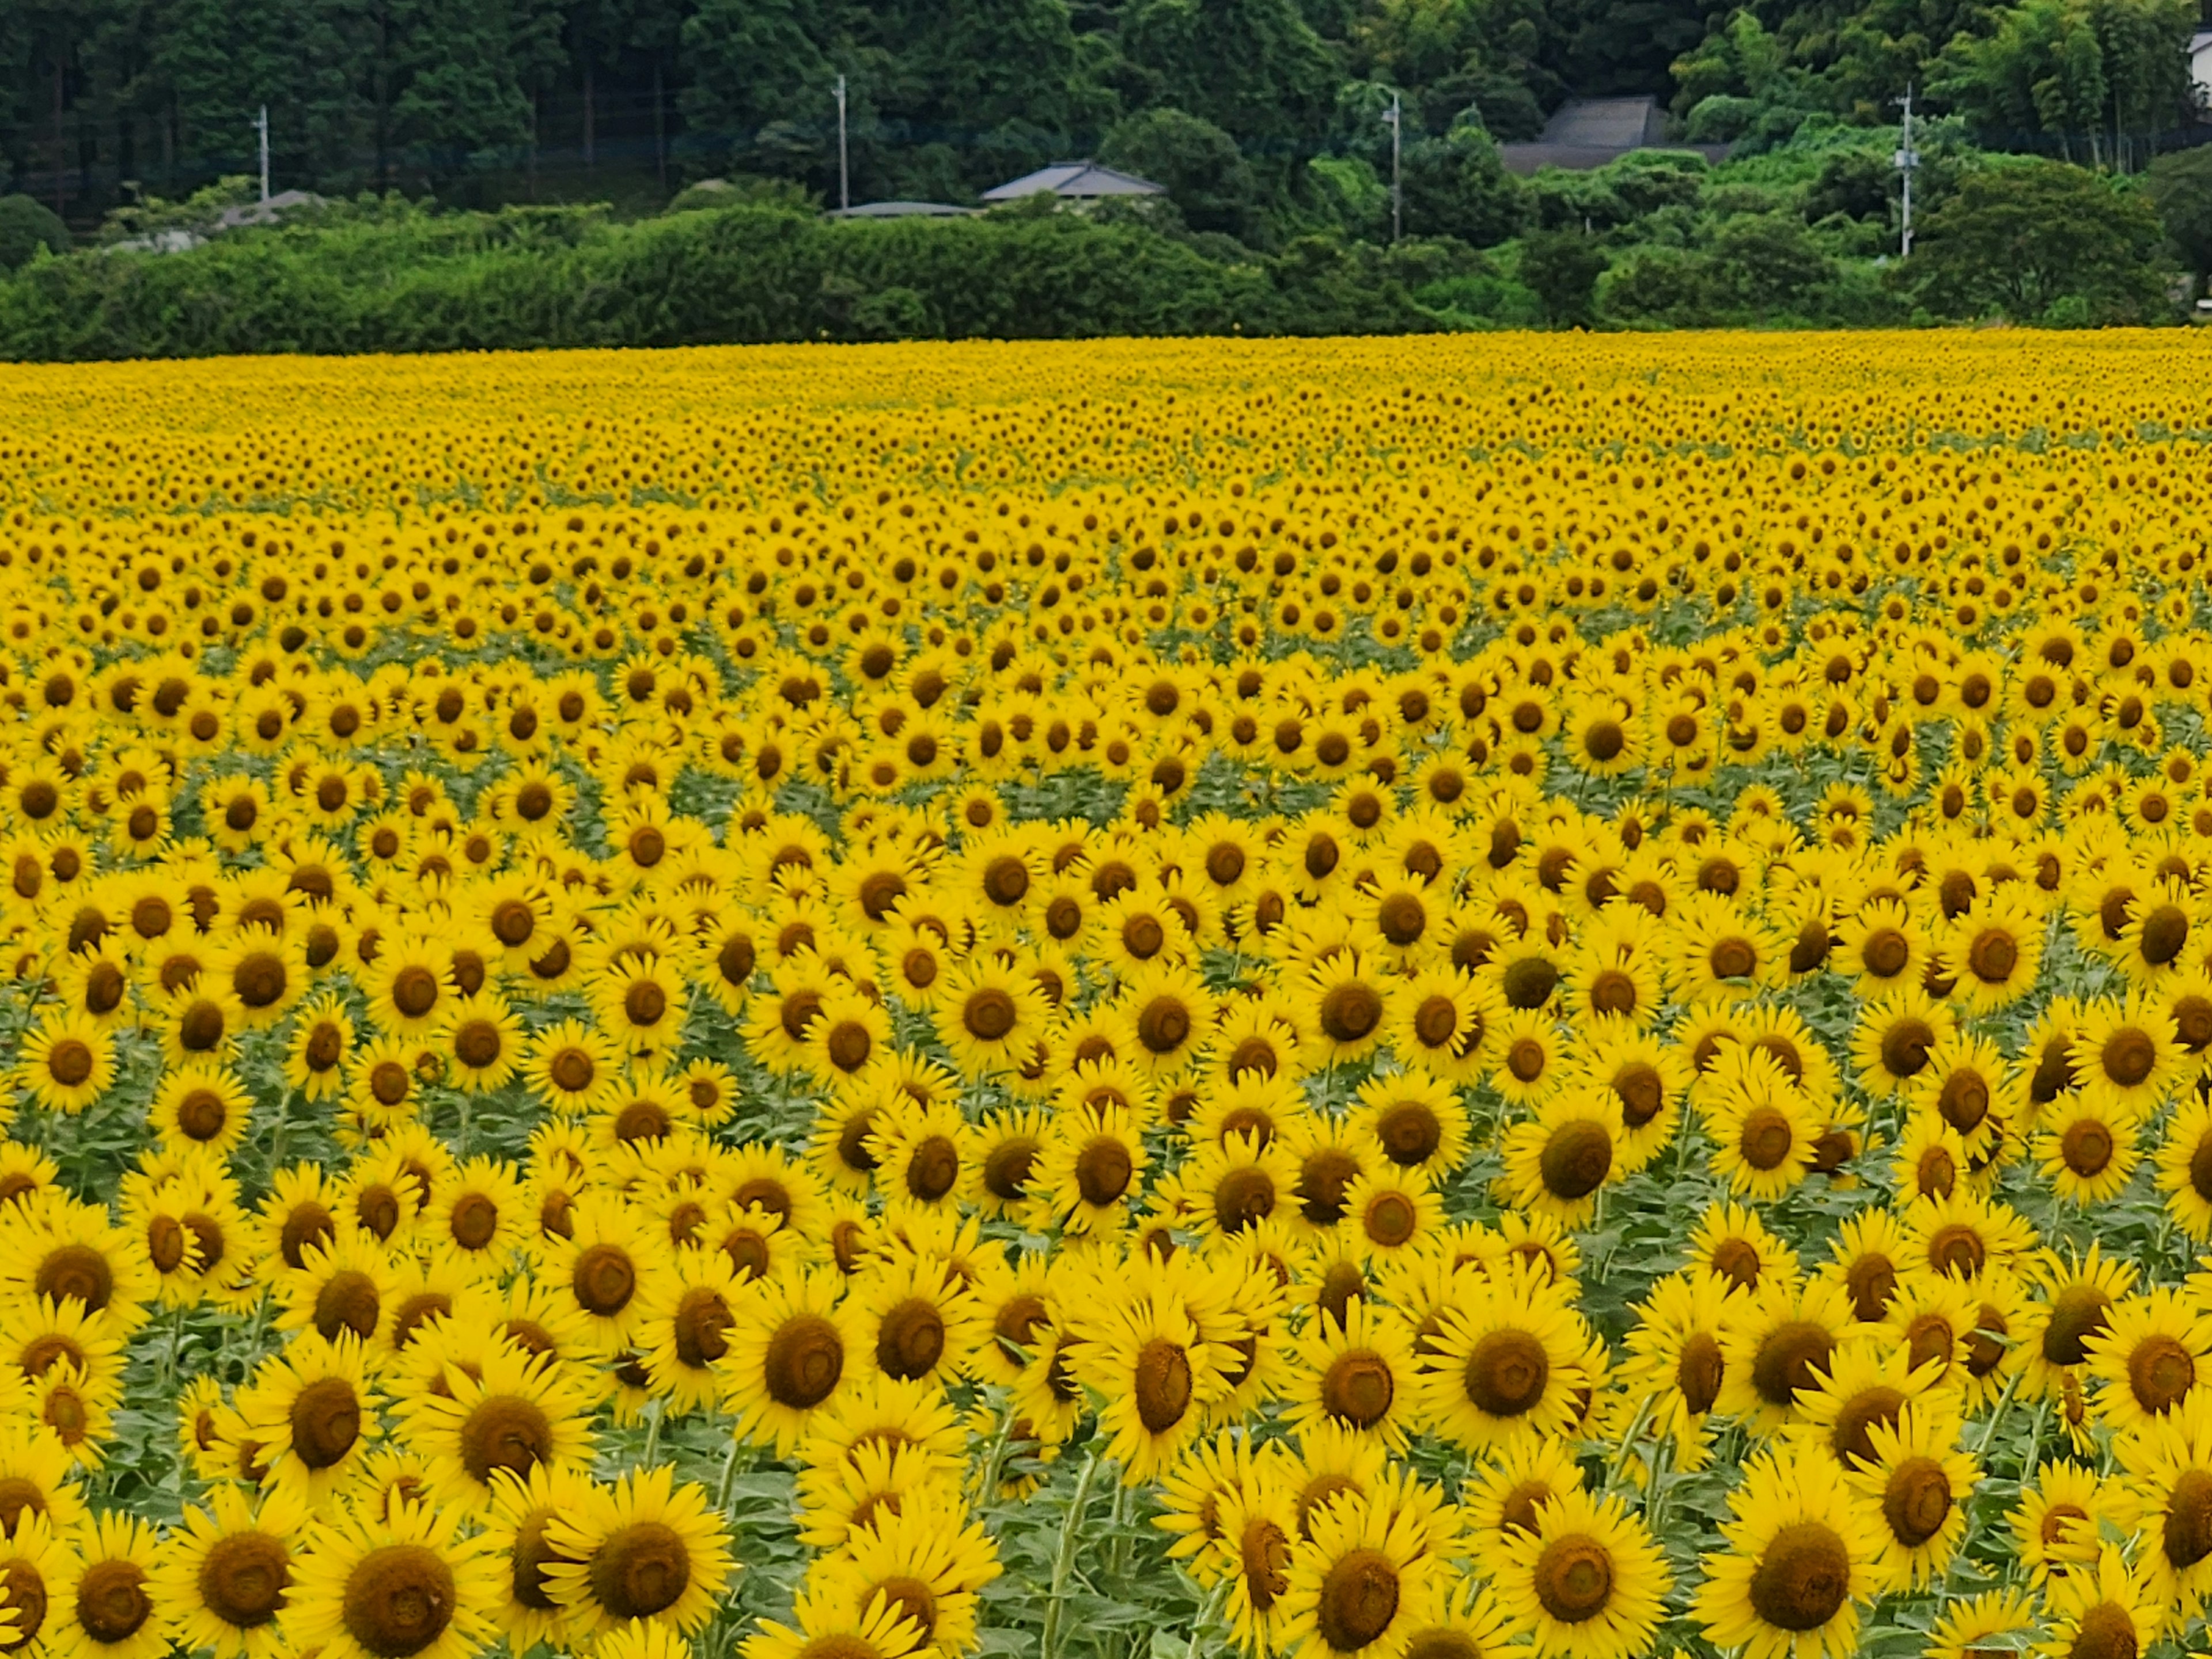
516,173
107,103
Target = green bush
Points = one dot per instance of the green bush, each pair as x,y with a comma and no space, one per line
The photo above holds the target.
26,226
386,278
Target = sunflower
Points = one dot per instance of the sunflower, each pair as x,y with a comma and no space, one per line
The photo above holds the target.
604,1260
566,1063
1764,1136
1089,1167
1356,1371
313,1414
1256,1527
829,1627
101,1606
2076,1303
1156,1372
988,1018
1342,1003
1676,1360
1235,1185
1558,1163
498,1419
2183,1166
1587,1580
1529,1058
230,1570
1721,953
684,1329
481,1038
645,1548
1992,950
2062,1511
1799,1561
2087,1148
1911,1492
67,1062
1778,1347
915,1321
1504,1363
403,1582
518,1525
1441,1020
1360,1583
1416,1120
2104,1610
1164,1019
1895,1035
792,1353
2126,1054
926,1559
56,1248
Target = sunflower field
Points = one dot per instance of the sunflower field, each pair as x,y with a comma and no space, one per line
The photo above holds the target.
1539,997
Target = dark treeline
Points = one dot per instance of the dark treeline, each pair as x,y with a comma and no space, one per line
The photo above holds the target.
485,101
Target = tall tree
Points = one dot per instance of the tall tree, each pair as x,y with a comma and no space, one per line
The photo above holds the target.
1253,68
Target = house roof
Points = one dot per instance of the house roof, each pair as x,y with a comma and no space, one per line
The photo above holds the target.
1584,133
901,210
265,212
1075,180
1608,122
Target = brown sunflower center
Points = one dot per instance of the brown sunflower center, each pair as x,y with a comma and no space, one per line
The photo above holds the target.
348,1301
910,1339
2077,1313
398,1600
1164,1025
2107,1631
1506,1372
2129,1056
1576,1159
2188,1538
933,1169
243,1578
1350,1013
1786,1358
805,1358
1697,1371
1358,1388
2087,1148
1357,1599
1804,1576
641,1570
325,1422
988,1014
1161,1385
604,1279
504,1431
1574,1578
1916,1500
112,1603
1765,1139
1103,1171
699,1327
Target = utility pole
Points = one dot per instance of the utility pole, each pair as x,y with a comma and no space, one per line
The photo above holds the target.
844,171
261,126
1905,159
1395,115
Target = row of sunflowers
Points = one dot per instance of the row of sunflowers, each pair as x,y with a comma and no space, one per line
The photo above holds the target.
1363,1002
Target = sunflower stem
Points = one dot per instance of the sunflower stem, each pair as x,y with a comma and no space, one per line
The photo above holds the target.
1207,1613
1997,1419
996,1457
654,1413
1627,1446
1118,1551
1063,1562
729,1473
